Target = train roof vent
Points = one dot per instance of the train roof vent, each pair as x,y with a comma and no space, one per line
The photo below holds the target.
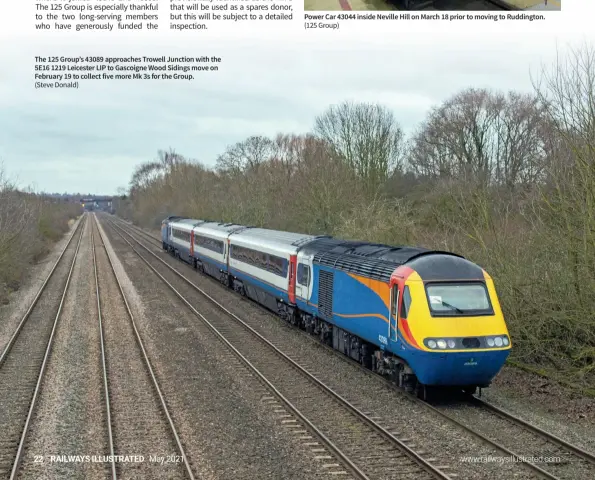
371,268
308,239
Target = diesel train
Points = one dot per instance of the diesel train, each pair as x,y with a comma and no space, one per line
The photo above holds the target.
423,318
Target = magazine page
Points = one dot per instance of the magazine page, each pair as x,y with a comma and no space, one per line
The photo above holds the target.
267,239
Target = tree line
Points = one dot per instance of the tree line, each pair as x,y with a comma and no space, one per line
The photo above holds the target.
29,224
505,179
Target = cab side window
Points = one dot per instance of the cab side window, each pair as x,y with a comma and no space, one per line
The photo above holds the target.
395,301
303,274
406,303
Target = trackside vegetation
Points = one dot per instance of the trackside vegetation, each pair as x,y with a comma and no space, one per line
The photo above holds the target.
29,224
505,179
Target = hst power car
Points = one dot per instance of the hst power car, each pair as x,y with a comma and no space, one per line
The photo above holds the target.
421,317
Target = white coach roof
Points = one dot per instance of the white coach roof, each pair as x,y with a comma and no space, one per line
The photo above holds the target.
218,228
272,238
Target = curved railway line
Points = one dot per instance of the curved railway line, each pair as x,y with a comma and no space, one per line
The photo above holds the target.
353,437
128,403
537,442
24,360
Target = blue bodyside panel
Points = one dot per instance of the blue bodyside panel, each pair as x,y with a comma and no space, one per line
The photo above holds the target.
205,259
460,368
356,308
304,307
277,292
360,311
184,252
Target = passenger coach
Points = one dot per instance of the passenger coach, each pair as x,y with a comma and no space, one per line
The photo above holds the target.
178,234
420,317
211,248
262,265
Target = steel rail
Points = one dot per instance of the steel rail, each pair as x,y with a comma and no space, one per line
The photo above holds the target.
36,299
103,362
533,428
146,359
351,466
21,447
381,430
543,473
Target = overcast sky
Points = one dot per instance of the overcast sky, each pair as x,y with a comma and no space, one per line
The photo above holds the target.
90,139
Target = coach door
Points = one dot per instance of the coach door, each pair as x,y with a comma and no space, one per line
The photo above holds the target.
227,252
303,285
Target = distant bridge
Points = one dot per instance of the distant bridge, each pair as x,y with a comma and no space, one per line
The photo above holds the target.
92,203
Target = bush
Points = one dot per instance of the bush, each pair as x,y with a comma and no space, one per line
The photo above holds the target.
29,224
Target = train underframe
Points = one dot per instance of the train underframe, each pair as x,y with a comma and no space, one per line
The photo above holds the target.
366,354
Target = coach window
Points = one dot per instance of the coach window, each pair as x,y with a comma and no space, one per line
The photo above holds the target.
276,264
306,275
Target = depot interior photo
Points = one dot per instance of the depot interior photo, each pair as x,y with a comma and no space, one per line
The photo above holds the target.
433,5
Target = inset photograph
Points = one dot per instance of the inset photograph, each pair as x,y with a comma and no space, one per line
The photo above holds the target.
429,5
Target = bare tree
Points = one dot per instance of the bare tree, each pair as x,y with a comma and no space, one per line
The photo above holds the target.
169,159
482,137
146,173
366,136
567,89
522,129
245,155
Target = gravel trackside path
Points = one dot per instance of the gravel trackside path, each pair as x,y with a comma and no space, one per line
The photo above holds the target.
545,404
228,424
559,461
139,426
69,417
19,372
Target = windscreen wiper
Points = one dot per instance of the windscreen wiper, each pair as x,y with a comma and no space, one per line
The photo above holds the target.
456,309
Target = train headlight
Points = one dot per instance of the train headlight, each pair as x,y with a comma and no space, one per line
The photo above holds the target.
451,343
431,344
490,342
498,341
441,343
505,341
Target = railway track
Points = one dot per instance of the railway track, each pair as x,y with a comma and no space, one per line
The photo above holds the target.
539,443
106,395
558,458
365,448
24,359
132,394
